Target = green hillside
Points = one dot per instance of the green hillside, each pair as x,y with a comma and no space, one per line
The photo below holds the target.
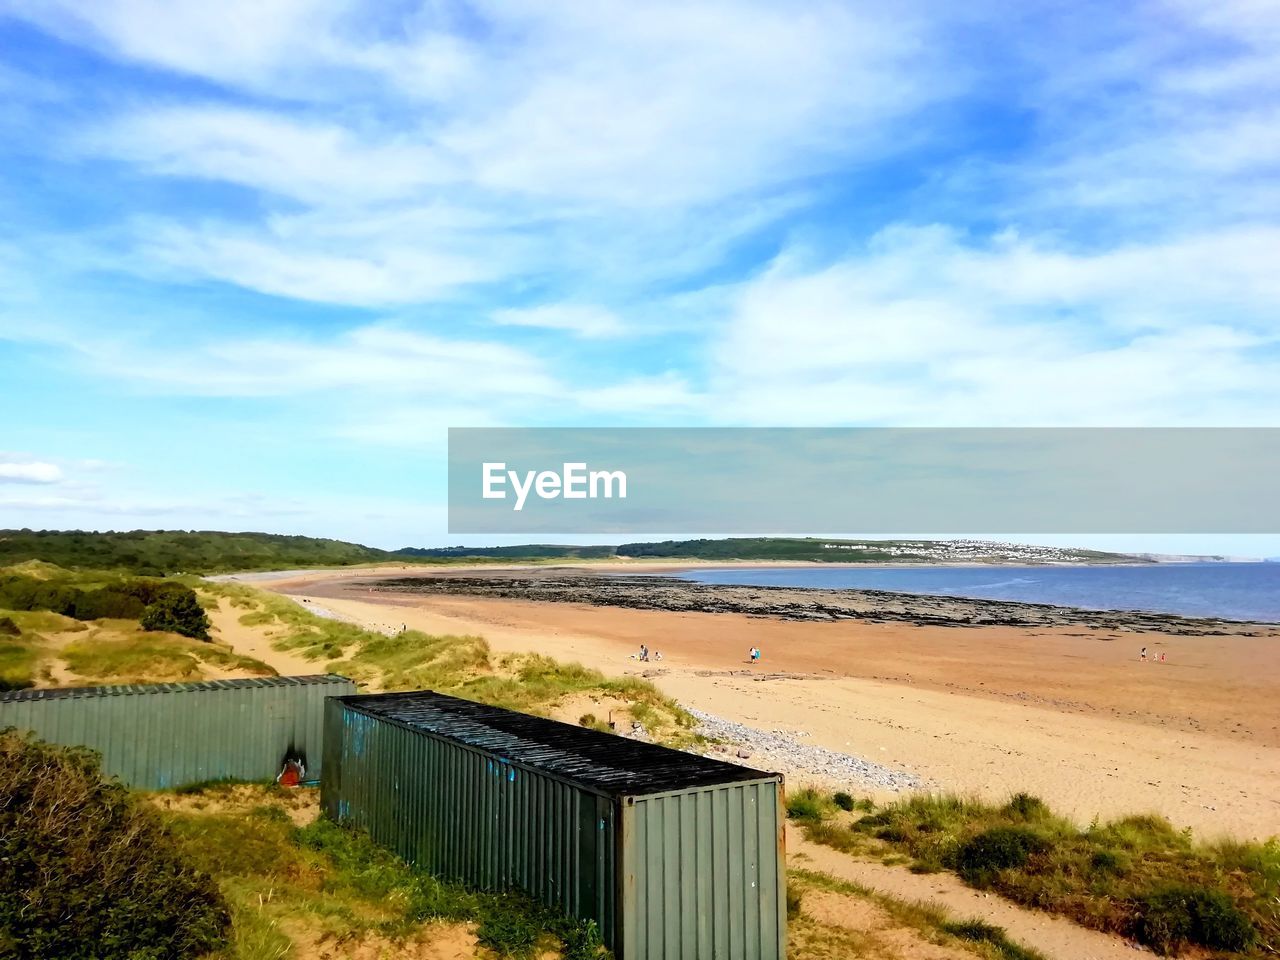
164,552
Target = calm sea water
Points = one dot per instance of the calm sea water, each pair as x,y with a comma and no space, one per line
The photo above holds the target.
1235,591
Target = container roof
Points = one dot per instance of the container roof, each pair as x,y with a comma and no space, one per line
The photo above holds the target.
65,693
601,762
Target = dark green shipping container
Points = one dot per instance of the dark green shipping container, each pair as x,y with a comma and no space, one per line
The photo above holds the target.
162,735
674,856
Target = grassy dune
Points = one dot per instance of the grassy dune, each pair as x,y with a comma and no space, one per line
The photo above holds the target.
297,884
1136,876
40,647
458,665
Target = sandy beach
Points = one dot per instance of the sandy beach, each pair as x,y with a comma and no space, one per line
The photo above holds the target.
1068,712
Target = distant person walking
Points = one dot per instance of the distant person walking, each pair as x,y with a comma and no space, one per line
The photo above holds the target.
1144,654
644,653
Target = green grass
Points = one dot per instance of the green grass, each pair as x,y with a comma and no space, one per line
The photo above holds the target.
808,805
44,621
119,651
18,662
1137,876
163,552
336,883
459,665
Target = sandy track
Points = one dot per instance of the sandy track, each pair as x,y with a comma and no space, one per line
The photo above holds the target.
1055,937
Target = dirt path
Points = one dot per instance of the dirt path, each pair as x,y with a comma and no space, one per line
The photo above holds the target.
1056,938
256,642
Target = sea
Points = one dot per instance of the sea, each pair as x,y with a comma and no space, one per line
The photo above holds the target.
1230,591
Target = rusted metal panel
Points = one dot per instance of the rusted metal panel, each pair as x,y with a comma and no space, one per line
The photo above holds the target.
158,736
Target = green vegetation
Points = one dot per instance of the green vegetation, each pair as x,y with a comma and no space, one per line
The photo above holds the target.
808,805
105,627
931,923
165,552
1136,876
158,604
458,665
168,552
87,871
18,663
290,886
176,612
22,644
120,652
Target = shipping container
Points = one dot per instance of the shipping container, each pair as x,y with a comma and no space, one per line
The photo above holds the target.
674,856
165,735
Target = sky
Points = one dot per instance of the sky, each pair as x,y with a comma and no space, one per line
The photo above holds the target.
256,258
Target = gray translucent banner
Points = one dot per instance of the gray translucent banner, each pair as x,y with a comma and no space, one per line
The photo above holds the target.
865,480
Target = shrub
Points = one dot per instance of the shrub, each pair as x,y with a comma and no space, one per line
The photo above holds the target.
808,805
87,872
843,801
1179,914
1000,848
976,931
8,628
1111,861
177,612
1025,807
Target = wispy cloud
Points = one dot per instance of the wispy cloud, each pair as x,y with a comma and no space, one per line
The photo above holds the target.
926,327
326,226
581,319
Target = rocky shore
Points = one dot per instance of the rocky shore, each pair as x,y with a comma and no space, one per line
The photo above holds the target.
788,603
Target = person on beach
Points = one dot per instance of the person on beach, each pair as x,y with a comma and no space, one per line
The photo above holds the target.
644,653
1144,654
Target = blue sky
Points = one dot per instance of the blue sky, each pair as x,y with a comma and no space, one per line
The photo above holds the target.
256,258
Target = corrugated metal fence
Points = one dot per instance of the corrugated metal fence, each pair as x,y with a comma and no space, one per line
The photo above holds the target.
674,856
164,735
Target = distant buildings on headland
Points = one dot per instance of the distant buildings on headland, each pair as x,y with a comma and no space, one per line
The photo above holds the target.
996,551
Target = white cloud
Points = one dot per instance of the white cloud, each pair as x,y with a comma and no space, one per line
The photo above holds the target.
378,360
667,393
581,319
33,471
236,41
320,269
927,329
643,140
318,162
